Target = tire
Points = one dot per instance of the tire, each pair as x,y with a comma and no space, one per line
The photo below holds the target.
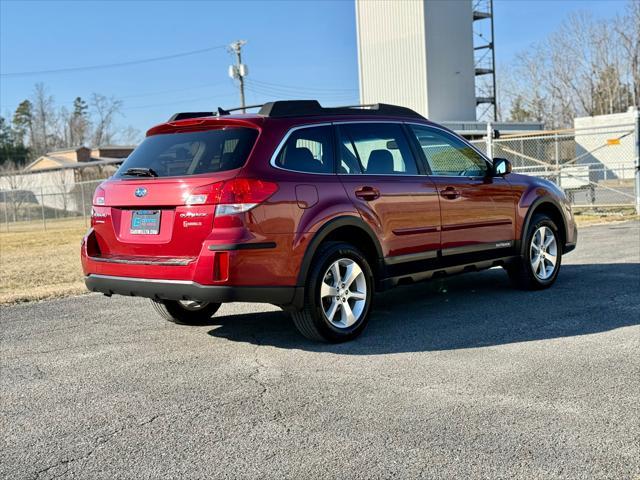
184,314
527,272
326,296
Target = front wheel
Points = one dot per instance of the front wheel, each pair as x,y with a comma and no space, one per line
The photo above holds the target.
538,266
185,312
337,295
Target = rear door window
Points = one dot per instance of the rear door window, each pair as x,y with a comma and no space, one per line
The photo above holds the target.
375,149
309,150
191,153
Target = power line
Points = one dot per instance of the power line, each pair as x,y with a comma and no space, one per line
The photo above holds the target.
178,102
339,98
174,90
303,88
112,65
285,91
140,95
281,92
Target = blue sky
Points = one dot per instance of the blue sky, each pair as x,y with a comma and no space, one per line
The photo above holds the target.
295,48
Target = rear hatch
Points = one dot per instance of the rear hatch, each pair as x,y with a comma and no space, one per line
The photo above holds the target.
157,204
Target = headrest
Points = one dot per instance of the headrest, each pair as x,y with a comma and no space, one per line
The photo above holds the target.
301,159
380,162
227,159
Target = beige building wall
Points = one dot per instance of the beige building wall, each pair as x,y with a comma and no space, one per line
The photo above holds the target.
598,144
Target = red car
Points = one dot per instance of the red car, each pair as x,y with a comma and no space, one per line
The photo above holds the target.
313,209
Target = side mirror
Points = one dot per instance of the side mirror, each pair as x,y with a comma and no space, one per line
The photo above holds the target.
501,166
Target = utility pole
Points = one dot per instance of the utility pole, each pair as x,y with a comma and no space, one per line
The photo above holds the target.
637,162
239,70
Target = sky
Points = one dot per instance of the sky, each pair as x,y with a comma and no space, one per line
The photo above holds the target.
295,49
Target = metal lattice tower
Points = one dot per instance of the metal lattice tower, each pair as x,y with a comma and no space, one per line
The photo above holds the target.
484,60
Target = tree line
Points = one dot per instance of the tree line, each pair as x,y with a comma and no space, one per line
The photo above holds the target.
587,67
39,126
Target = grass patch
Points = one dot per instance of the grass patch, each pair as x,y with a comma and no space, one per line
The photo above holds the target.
39,264
594,216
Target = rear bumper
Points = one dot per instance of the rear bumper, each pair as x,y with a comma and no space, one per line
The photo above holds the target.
187,290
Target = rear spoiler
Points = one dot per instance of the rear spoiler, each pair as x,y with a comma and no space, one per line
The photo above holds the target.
220,112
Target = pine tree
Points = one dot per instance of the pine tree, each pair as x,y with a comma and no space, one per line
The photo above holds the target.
23,122
12,150
79,122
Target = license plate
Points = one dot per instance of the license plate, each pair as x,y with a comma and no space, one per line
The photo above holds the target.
145,222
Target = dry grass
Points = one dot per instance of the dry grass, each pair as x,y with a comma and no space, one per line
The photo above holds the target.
40,264
585,217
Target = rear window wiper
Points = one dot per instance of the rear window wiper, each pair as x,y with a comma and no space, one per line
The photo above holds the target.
141,172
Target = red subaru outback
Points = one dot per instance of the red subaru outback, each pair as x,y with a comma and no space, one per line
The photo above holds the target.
313,209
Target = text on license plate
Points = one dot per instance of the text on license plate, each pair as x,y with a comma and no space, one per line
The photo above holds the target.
145,222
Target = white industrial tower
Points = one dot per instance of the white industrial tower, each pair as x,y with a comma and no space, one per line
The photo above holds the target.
419,54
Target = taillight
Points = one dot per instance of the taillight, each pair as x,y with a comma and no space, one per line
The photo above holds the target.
233,196
204,195
98,197
242,194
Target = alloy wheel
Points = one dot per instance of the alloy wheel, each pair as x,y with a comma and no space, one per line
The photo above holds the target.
343,293
544,253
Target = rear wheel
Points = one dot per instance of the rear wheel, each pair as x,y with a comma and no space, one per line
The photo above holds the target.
185,312
539,264
337,295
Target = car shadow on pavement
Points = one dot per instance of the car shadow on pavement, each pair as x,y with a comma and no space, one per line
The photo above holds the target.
472,310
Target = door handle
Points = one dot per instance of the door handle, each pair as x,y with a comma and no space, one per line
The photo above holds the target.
367,193
450,193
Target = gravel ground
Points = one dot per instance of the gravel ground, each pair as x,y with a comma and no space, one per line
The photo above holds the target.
462,378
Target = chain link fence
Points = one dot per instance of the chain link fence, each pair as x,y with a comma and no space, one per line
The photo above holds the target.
595,167
40,207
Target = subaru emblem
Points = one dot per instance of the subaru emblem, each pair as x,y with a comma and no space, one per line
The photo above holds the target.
141,192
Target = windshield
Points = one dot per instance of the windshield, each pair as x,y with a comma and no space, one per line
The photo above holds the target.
189,153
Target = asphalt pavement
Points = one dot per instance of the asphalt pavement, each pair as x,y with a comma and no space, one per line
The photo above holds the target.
457,378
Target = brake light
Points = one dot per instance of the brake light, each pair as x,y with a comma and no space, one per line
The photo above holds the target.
98,197
242,194
233,196
246,190
204,195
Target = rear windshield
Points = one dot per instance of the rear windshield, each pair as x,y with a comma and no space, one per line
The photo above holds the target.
190,153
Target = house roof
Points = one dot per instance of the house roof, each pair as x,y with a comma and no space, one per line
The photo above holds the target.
59,160
114,147
68,150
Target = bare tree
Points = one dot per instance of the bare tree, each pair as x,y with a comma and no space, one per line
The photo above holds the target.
104,109
627,28
586,67
63,181
15,188
44,121
79,123
523,87
130,136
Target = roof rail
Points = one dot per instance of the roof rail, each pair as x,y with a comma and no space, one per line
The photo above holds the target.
291,108
299,108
